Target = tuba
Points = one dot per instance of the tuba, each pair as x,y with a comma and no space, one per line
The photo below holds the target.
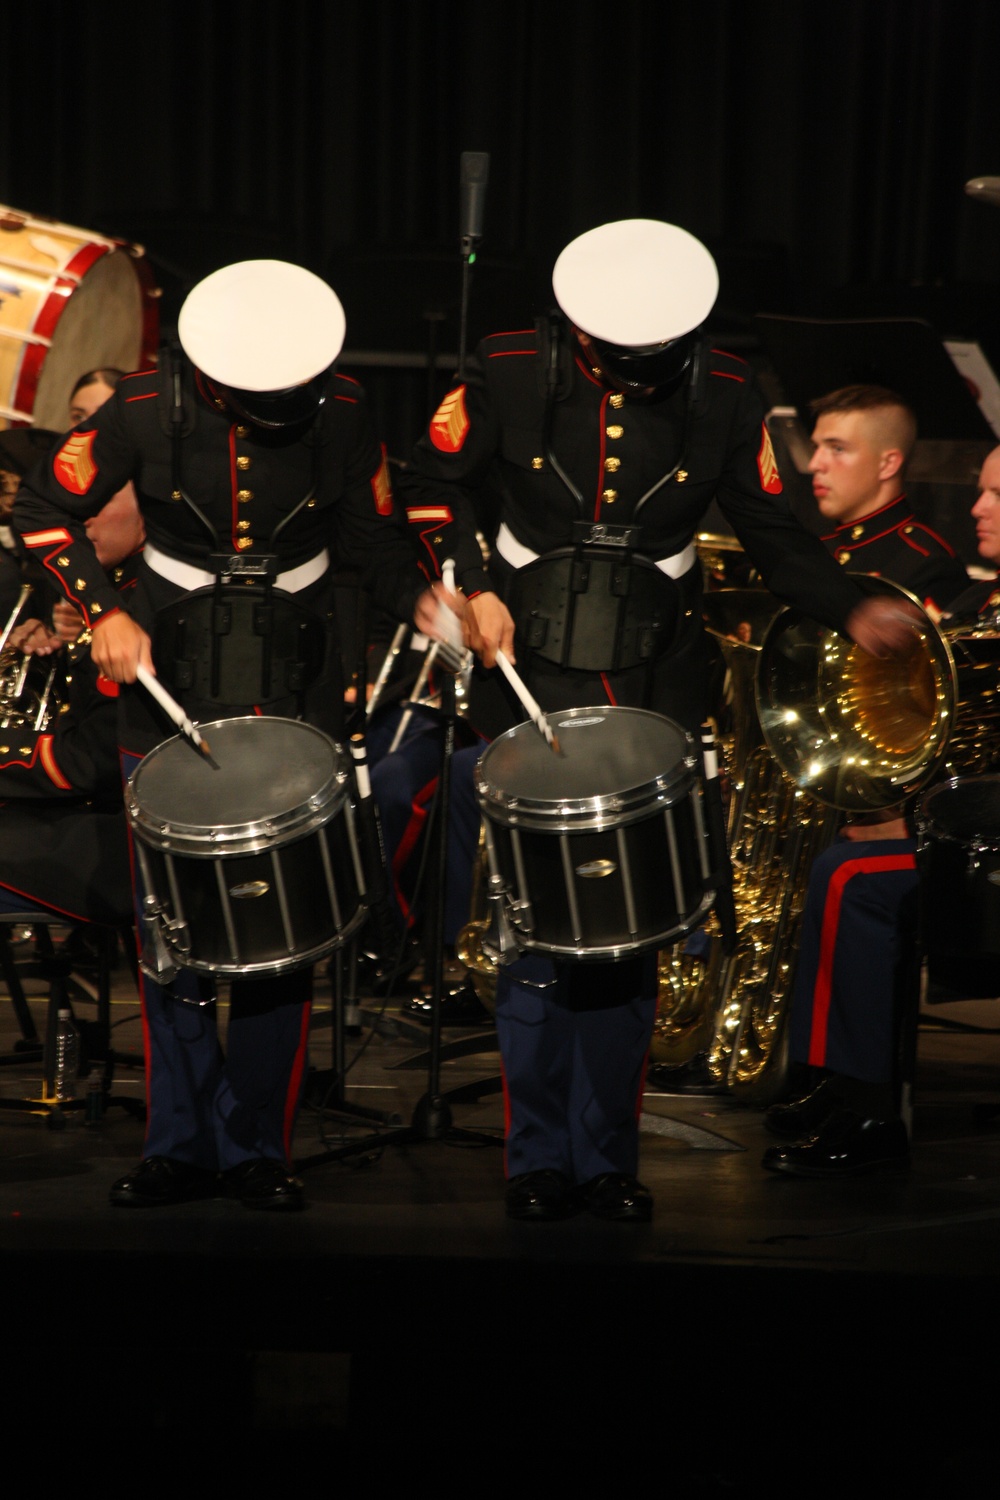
819,728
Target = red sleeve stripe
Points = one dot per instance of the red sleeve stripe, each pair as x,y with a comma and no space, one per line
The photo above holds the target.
148,396
46,538
440,513
47,756
724,375
503,353
351,400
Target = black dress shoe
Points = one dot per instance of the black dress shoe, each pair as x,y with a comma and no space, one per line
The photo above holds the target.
159,1180
691,1077
845,1145
460,1006
542,1195
615,1195
263,1183
794,1122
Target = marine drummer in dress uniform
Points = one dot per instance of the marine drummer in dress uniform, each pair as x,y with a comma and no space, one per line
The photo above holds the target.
606,428
253,459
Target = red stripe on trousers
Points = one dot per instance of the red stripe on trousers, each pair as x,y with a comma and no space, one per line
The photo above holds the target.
871,864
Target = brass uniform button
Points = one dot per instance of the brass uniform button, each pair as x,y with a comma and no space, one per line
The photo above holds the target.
609,496
242,430
681,476
63,562
242,525
617,400
612,465
25,749
843,556
242,461
907,530
220,403
596,370
243,542
117,574
80,585
438,540
176,495
538,463
857,532
614,431
244,495
311,504
4,749
995,599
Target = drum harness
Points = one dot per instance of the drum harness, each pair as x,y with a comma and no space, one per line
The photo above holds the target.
597,605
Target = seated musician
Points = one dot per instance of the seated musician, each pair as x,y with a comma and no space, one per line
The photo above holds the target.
857,960
63,843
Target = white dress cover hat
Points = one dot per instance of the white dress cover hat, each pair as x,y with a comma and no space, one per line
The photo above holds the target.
636,282
262,325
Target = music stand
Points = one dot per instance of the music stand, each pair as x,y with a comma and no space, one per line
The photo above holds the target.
812,356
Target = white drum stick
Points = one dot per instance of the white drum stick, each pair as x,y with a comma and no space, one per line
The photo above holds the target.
402,632
174,712
528,703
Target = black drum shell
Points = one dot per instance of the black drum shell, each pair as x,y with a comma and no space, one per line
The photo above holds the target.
959,861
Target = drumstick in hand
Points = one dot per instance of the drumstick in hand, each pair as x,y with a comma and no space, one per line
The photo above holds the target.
174,712
528,703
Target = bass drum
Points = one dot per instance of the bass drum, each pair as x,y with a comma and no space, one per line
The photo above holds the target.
70,301
253,869
958,855
602,849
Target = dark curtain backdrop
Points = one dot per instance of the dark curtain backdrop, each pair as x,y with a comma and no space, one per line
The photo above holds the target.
820,148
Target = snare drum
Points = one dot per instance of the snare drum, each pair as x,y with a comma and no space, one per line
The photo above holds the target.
70,301
603,848
253,869
958,854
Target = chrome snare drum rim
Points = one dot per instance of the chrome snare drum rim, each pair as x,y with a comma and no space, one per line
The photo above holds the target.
597,782
176,801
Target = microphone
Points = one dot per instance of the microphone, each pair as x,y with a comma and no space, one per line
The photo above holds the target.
475,174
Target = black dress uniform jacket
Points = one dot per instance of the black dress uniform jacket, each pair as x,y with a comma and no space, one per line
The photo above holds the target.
247,482
487,440
892,543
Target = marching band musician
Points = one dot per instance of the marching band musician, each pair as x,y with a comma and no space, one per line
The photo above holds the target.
63,842
250,445
613,420
857,961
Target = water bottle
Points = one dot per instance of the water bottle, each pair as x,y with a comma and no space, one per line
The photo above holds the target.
67,1056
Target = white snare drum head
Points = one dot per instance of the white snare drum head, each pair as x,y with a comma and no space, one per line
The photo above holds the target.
275,776
608,756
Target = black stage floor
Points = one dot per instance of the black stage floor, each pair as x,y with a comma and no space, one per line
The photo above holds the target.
762,1331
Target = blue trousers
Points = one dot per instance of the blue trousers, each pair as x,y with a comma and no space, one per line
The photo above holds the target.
573,1043
857,955
216,1108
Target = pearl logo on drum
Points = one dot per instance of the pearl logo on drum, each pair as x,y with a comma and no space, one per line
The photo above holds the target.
249,889
594,869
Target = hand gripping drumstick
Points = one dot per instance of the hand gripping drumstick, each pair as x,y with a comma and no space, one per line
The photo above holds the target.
528,703
174,711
